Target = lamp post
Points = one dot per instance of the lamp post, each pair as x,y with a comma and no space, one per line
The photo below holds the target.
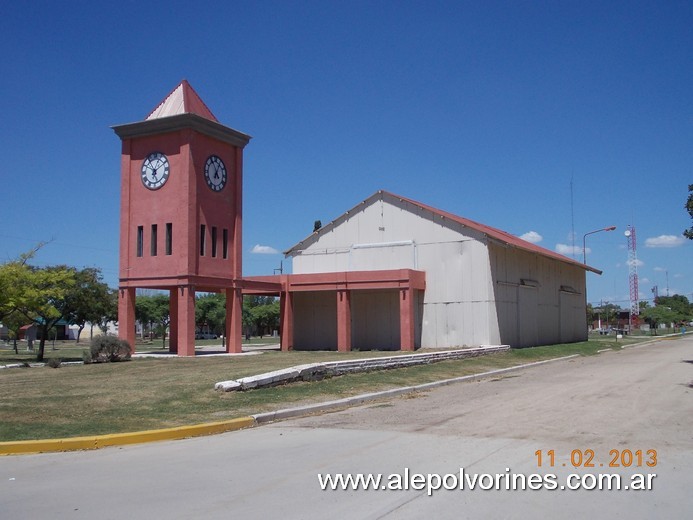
584,249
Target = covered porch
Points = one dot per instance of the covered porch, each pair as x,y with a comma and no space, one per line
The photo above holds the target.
345,310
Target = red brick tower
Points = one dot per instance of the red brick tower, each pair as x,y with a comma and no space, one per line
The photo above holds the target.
181,214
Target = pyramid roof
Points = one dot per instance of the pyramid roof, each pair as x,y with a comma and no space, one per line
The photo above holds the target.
182,100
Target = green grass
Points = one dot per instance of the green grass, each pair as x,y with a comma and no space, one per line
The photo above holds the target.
150,393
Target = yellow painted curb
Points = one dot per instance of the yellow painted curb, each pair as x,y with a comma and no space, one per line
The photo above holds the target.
120,439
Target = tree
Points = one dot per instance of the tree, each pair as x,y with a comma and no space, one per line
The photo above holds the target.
154,309
260,313
14,322
678,304
689,207
668,309
44,298
210,311
90,300
12,281
266,316
658,314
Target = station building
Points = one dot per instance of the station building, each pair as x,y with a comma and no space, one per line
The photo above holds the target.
390,273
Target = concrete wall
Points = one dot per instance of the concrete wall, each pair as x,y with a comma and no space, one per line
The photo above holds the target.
539,301
375,320
315,320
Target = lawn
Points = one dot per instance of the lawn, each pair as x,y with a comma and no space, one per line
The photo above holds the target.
76,400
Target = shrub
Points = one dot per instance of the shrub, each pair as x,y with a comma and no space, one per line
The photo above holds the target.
54,362
106,349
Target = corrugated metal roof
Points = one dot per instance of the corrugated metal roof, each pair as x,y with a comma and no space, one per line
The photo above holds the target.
493,233
182,100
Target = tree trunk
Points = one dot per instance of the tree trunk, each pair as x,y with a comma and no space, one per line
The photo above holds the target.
79,332
42,344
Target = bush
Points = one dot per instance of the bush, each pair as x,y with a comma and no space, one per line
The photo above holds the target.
105,349
54,362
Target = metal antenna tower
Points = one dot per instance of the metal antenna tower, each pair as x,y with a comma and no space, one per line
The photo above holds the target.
633,274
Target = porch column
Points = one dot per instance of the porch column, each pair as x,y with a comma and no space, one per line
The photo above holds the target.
186,320
126,316
343,321
173,321
234,321
406,319
286,320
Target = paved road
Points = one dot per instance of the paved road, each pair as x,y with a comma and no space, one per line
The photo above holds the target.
636,399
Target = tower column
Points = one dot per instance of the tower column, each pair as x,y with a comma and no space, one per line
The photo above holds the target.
343,320
126,316
234,321
286,320
186,320
173,321
406,319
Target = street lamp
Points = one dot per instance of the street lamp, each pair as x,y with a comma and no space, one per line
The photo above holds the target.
584,249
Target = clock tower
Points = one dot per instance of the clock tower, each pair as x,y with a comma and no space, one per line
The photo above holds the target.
181,215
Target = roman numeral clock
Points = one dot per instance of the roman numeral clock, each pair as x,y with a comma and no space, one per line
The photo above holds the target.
181,214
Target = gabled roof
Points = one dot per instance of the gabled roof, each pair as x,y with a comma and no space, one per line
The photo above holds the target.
492,233
182,100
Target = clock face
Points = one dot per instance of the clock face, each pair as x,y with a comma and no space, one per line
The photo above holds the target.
215,173
155,170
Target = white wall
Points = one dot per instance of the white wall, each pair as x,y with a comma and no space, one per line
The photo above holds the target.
393,235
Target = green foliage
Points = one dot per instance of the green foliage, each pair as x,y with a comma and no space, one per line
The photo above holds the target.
689,207
155,311
91,300
677,303
12,279
44,298
105,349
261,313
674,309
210,313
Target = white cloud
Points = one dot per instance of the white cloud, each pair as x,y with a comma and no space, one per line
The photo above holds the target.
532,237
636,262
659,269
263,250
665,241
644,280
567,250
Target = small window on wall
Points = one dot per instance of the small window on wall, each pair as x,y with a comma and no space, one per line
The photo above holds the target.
152,248
214,242
203,234
169,238
225,244
140,240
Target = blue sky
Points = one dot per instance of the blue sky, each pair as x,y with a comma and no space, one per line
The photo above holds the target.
489,110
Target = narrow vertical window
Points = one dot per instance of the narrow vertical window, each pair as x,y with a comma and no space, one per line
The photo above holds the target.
214,242
203,233
152,247
225,243
169,238
140,240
